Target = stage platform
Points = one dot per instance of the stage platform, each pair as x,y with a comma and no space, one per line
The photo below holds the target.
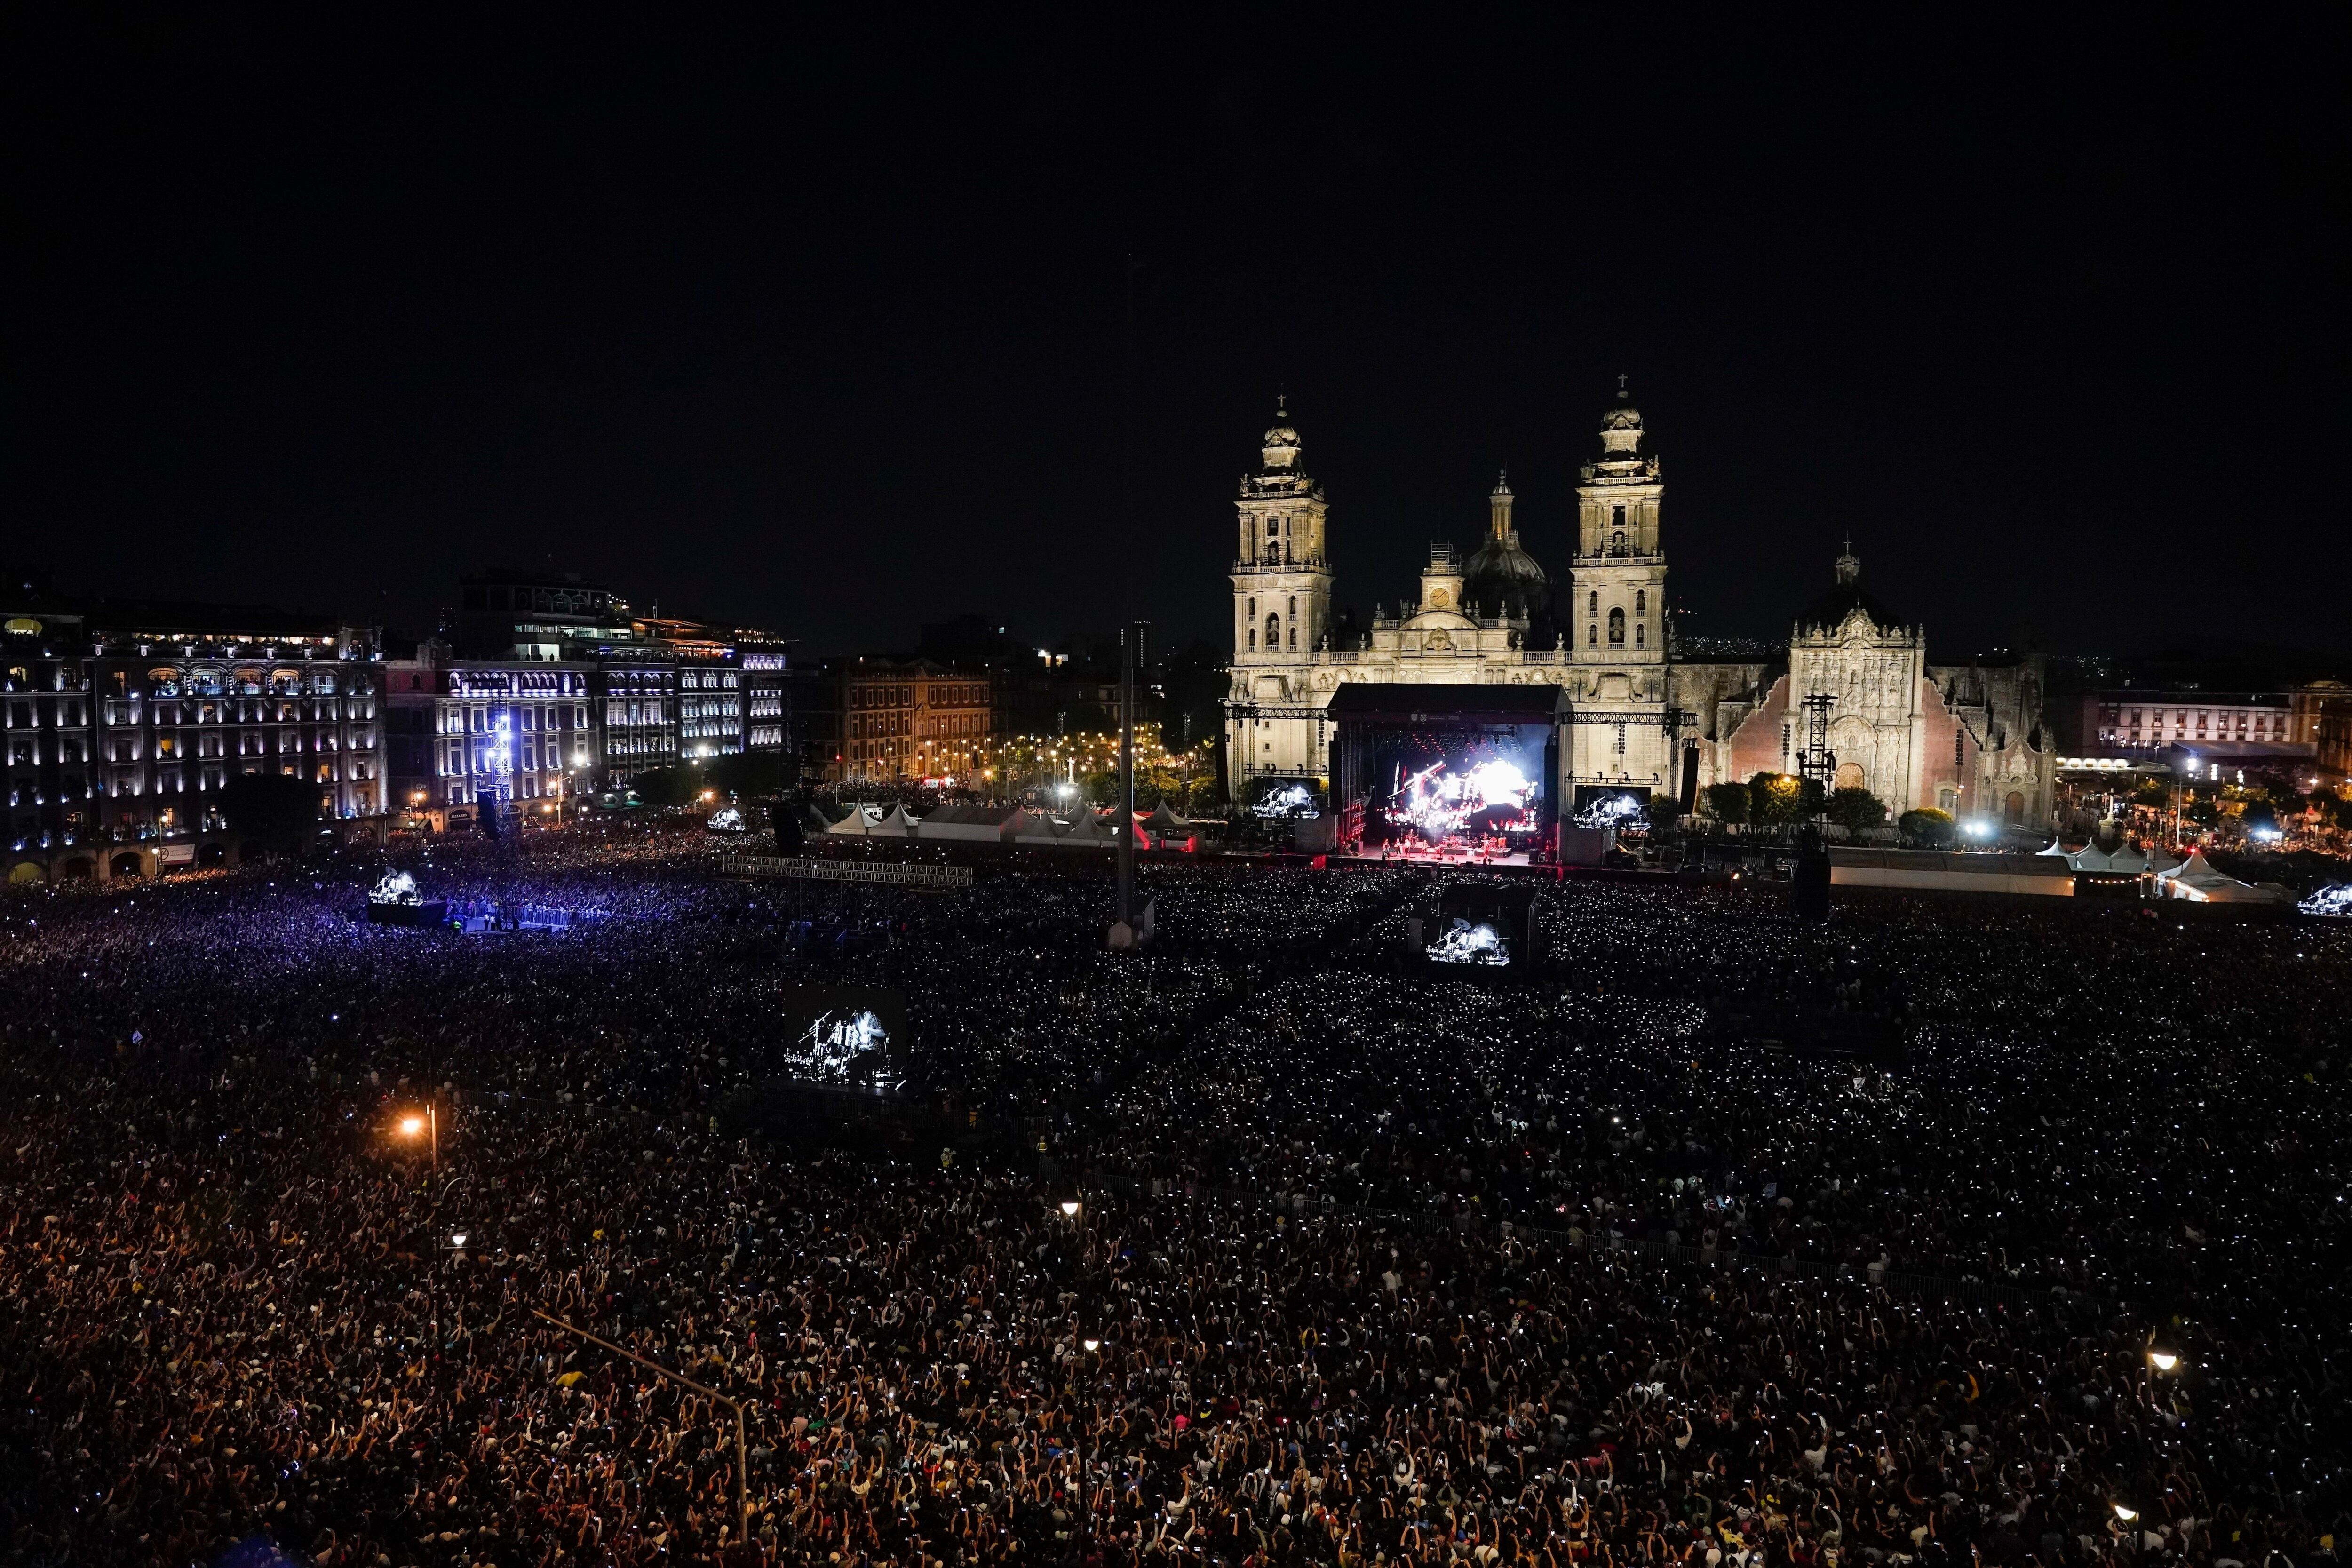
1445,857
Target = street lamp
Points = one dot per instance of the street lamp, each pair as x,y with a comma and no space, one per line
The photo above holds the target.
429,1124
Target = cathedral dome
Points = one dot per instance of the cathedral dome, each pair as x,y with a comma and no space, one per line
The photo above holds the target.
1830,611
1280,445
1502,576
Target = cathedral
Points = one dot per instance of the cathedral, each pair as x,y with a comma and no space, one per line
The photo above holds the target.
1639,713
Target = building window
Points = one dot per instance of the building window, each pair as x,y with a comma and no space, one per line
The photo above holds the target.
1640,634
1273,631
1593,634
1616,626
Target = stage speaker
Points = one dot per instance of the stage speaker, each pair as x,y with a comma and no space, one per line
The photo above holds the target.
784,816
1688,799
1809,892
486,812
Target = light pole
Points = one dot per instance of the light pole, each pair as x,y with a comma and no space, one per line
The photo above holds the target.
429,1124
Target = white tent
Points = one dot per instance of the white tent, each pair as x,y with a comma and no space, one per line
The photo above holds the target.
1030,826
856,824
898,825
2125,859
1087,828
2196,880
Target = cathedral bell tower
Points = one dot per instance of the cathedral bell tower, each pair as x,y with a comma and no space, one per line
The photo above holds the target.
1619,612
1282,575
1615,618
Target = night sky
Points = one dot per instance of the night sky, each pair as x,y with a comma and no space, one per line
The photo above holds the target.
826,333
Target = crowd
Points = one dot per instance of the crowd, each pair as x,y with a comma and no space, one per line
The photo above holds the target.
1296,1256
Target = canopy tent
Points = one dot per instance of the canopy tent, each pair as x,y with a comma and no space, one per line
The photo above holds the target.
1162,827
2196,880
1032,826
856,824
1087,828
898,825
2125,859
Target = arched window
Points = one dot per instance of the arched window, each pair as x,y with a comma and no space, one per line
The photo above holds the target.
1253,639
1616,626
1294,634
1641,602
1640,634
1593,634
1273,631
1592,604
1619,519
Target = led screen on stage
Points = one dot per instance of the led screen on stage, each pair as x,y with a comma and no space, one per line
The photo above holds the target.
1460,785
845,1035
1285,800
1625,809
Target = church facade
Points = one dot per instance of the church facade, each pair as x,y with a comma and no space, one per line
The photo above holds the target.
1968,738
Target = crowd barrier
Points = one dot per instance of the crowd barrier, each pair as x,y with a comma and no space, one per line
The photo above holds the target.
893,875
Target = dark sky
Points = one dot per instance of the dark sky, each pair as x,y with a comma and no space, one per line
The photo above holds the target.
824,332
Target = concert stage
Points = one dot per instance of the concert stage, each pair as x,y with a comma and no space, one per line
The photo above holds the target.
1455,774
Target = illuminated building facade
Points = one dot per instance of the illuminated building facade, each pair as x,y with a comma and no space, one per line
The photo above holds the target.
915,720
124,721
1642,714
661,689
518,733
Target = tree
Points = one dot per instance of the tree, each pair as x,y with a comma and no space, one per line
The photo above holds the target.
276,813
1726,801
1856,810
1927,825
1663,810
1776,799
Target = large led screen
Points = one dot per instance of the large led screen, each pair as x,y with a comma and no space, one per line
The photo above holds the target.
1468,786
